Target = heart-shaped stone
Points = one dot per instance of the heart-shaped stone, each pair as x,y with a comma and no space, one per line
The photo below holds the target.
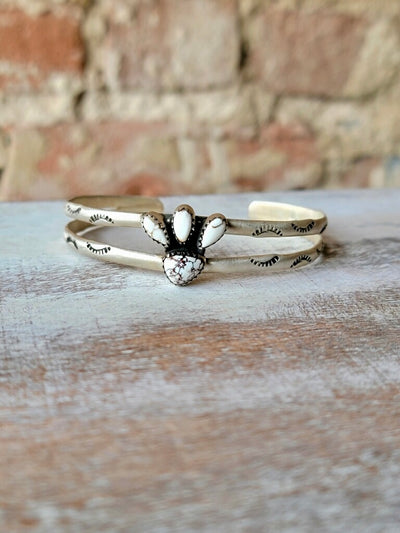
181,268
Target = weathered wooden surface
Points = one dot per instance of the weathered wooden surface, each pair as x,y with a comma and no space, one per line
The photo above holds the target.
258,403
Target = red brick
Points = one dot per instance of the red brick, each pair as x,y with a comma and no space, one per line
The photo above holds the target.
147,185
313,53
107,158
173,44
282,157
32,48
360,173
143,158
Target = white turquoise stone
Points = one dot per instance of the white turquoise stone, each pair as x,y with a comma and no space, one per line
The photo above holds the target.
153,228
215,228
181,269
184,238
182,224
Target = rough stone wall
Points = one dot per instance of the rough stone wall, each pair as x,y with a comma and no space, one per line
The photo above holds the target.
197,96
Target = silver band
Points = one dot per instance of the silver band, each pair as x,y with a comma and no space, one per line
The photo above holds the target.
78,238
266,219
186,236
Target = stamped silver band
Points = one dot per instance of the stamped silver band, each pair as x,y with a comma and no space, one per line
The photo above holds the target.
266,219
301,252
186,236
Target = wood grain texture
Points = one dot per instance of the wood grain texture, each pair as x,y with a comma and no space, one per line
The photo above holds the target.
239,403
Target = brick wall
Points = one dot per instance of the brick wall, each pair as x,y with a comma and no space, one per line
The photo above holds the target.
181,96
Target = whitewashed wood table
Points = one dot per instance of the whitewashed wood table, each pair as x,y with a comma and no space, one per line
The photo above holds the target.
243,403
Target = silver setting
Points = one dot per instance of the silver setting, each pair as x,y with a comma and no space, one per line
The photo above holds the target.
185,237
